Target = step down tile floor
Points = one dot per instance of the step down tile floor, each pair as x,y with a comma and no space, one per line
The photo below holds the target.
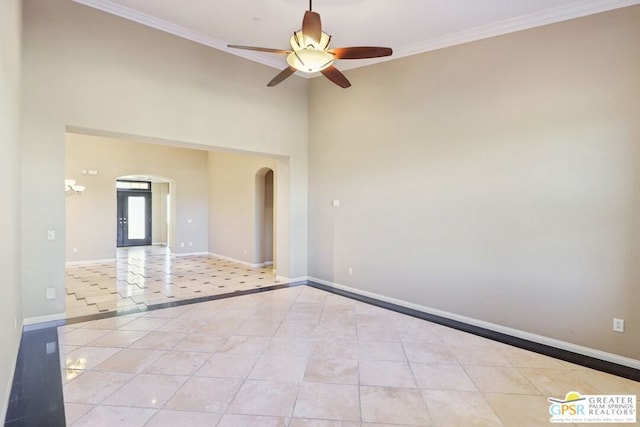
148,275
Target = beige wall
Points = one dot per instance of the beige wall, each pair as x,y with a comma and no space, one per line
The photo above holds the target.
91,218
85,69
496,180
10,301
233,204
159,192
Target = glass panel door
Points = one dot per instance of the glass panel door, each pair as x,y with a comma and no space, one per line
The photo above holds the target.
134,218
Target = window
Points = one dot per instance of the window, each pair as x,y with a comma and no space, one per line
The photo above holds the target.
133,185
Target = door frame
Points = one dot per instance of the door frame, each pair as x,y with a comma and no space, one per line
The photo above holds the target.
260,240
122,221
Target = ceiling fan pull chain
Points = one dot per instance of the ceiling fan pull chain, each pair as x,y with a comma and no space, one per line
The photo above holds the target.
310,5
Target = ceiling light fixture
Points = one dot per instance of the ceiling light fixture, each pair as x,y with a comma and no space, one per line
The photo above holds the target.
310,52
71,188
308,55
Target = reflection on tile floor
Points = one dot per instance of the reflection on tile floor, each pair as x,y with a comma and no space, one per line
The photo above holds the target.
302,357
146,275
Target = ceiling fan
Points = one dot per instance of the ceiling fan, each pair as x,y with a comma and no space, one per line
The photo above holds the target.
310,52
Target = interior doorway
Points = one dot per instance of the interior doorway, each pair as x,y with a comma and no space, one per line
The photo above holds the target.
159,209
133,213
265,224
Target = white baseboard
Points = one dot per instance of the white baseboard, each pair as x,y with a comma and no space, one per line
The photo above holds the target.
88,262
248,264
266,264
41,322
540,339
178,255
292,280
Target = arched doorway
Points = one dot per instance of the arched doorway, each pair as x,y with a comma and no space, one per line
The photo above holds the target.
264,217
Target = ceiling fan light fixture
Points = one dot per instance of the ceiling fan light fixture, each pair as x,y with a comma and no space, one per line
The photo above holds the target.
310,60
310,52
309,56
299,41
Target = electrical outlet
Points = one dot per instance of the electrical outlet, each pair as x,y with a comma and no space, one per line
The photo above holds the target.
75,250
51,235
182,244
618,325
50,293
350,271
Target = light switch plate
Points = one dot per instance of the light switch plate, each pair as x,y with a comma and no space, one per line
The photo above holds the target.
618,325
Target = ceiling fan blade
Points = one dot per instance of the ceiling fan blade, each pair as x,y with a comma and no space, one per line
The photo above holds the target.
281,76
312,26
361,52
333,74
260,49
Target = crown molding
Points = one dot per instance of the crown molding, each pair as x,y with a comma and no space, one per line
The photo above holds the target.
177,30
577,9
525,22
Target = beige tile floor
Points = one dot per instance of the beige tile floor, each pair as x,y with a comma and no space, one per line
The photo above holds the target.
147,275
302,357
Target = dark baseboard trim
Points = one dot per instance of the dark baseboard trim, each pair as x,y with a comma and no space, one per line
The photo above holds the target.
178,303
568,356
36,392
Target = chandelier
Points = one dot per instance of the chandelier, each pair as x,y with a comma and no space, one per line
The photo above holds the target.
71,188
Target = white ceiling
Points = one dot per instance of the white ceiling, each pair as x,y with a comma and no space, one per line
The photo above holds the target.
409,27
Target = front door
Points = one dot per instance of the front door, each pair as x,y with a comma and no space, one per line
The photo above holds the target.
134,218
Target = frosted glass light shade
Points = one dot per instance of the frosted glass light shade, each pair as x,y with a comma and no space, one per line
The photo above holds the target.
309,56
299,41
309,60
